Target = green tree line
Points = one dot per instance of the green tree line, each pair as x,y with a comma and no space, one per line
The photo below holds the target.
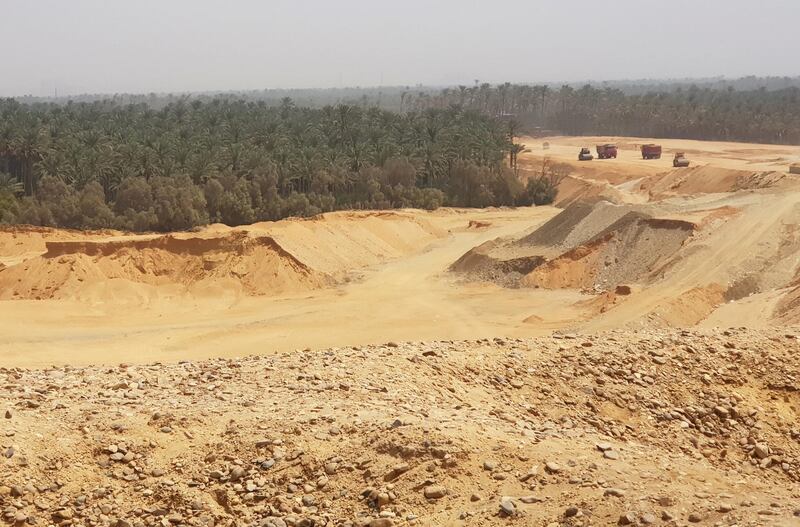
131,166
755,115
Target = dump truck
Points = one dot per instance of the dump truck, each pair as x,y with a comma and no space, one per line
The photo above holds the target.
680,160
651,151
585,155
794,169
606,151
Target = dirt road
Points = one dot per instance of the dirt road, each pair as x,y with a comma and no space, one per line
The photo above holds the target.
720,154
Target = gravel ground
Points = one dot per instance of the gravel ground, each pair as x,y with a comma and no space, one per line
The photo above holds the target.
651,427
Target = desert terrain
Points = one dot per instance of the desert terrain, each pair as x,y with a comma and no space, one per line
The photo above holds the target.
628,356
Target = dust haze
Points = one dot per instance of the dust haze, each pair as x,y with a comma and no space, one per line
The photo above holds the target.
93,46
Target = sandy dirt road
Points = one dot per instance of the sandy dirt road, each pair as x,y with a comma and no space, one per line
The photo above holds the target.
720,154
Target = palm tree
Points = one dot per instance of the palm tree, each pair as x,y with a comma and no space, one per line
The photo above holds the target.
544,92
516,149
51,164
10,185
26,149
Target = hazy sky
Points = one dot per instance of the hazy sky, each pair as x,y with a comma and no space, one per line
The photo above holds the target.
192,45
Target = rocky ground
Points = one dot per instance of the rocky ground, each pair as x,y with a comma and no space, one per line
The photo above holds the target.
663,428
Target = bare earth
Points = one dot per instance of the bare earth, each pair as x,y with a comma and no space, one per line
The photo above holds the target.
628,356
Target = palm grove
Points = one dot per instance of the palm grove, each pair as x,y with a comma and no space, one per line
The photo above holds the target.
104,164
690,111
174,162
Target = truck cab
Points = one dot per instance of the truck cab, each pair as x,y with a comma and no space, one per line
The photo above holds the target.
585,155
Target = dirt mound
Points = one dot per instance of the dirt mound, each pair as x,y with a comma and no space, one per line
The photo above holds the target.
260,259
580,223
555,231
259,265
576,269
575,188
589,245
338,243
707,180
687,256
634,247
21,242
788,309
481,264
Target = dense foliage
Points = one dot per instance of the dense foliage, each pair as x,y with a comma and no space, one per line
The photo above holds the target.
761,115
103,164
164,162
400,98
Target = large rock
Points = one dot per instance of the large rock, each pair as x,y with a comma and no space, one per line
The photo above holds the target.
435,492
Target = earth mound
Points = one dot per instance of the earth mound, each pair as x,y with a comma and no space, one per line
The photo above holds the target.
634,248
480,263
575,189
262,259
706,179
589,245
579,223
257,264
788,309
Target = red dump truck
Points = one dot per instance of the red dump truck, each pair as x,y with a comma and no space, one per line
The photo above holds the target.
651,151
606,151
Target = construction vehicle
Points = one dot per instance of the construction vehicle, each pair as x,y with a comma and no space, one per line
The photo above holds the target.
606,151
680,160
651,151
794,169
585,155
